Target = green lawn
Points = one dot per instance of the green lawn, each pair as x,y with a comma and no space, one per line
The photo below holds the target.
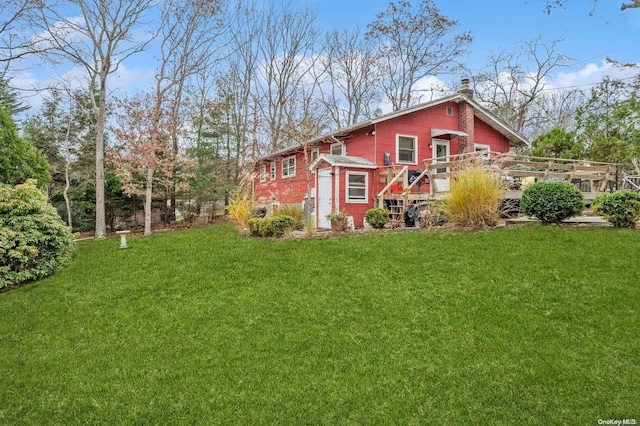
527,325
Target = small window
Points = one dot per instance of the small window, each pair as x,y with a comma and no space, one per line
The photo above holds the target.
263,172
357,183
272,171
406,146
289,167
315,153
337,148
450,111
478,147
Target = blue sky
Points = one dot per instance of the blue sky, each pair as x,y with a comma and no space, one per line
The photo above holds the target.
589,38
499,24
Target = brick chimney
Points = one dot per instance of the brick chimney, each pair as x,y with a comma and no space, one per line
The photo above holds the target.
465,118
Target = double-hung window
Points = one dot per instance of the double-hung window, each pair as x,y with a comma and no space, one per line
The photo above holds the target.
407,149
357,187
478,147
289,167
272,171
263,172
337,148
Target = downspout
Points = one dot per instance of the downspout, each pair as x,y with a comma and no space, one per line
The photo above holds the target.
376,180
337,189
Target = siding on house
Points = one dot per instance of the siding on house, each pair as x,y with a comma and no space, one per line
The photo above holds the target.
371,141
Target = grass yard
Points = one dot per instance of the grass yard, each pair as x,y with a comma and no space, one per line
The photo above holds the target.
526,325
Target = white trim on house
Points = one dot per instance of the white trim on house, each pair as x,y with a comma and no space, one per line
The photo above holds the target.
337,145
415,149
337,186
263,172
441,132
479,111
290,167
349,185
344,161
479,147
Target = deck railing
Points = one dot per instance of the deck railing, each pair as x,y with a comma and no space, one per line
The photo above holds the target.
591,177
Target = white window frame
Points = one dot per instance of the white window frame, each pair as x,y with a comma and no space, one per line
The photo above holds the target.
449,111
272,171
342,148
478,147
315,153
415,149
289,167
263,172
348,198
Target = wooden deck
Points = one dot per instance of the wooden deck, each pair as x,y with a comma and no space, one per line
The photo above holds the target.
516,171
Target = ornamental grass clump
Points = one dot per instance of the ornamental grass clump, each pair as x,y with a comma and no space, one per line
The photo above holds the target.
474,198
34,241
292,210
552,202
241,208
620,208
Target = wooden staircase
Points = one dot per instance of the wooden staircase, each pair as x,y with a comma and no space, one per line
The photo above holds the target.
397,195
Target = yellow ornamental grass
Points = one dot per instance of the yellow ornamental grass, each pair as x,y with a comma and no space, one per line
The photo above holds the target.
474,198
241,208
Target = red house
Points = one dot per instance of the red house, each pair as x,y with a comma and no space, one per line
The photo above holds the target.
346,170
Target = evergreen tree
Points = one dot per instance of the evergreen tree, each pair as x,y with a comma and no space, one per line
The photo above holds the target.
19,160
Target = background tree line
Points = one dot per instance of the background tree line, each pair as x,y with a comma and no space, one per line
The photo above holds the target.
236,80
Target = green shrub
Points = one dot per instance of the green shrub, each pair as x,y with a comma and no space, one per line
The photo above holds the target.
279,225
621,208
552,202
293,210
257,227
474,198
276,226
377,217
33,239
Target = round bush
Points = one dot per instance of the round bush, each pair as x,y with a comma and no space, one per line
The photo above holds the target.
33,239
279,225
621,208
377,217
552,202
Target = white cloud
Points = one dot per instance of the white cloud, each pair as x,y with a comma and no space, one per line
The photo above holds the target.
589,75
33,82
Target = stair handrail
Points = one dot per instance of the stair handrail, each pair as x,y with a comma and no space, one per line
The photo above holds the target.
394,180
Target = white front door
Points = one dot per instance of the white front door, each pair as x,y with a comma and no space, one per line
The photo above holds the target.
441,152
323,198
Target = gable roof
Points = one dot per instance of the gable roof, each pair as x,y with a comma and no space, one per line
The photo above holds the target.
343,161
478,110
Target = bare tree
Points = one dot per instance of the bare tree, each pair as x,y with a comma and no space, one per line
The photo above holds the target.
351,87
286,48
555,108
414,41
15,41
97,35
513,82
239,83
190,31
552,4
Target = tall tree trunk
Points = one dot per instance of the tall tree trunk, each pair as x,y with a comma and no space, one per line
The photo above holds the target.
67,185
101,226
147,202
